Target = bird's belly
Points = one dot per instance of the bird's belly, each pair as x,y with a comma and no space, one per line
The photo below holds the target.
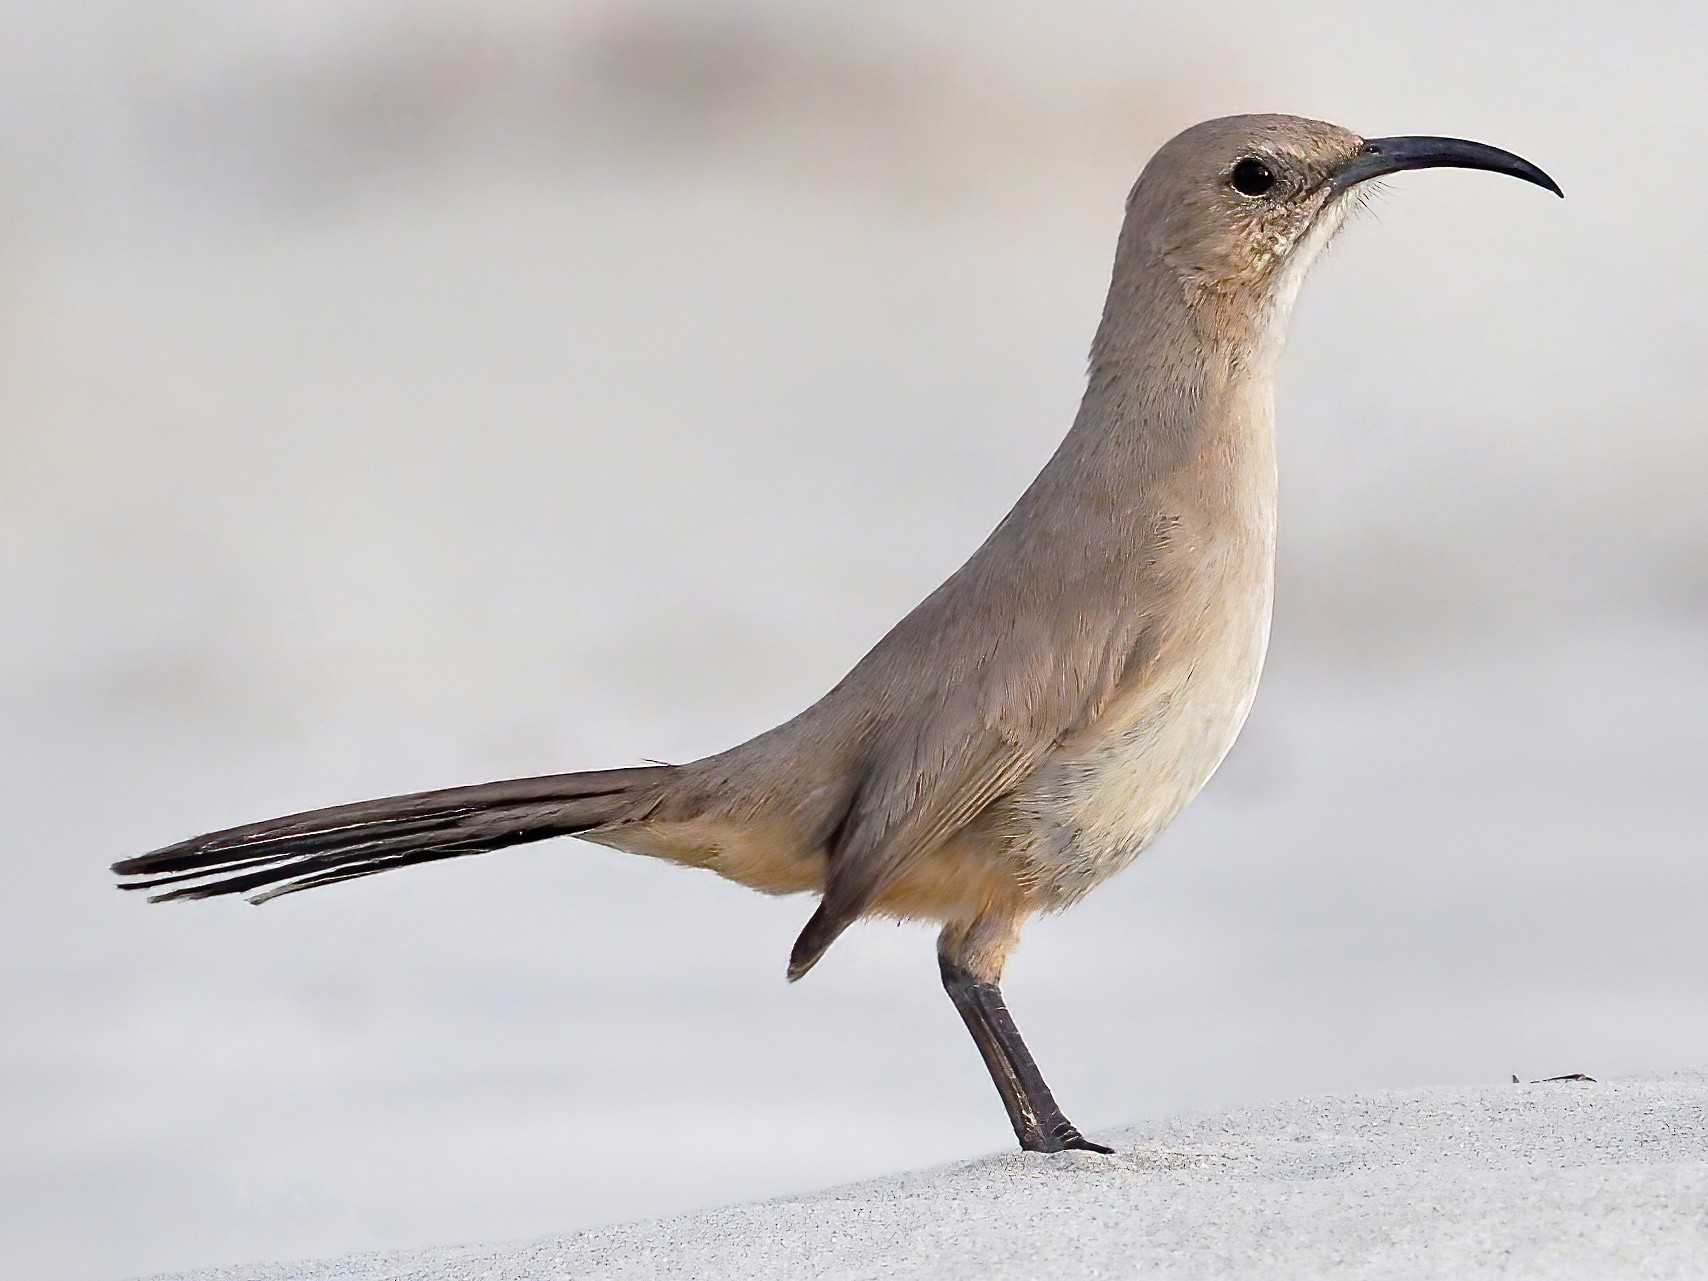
1088,815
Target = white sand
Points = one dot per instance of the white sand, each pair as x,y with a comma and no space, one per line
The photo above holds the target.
1534,1180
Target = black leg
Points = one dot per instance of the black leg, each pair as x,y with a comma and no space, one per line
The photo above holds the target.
1037,1119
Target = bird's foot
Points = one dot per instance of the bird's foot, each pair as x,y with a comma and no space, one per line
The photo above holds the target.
1061,1138
1080,1143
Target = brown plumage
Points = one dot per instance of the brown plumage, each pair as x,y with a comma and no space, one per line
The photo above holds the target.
1030,727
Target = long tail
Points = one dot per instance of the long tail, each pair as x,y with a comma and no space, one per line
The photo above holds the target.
320,847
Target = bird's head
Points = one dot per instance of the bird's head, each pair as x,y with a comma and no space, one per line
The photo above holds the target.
1236,209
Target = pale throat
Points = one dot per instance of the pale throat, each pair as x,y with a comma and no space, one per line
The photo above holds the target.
1270,334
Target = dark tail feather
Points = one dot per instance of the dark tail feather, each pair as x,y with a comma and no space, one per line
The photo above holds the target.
320,847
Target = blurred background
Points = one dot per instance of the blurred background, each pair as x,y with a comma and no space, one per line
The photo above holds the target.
398,395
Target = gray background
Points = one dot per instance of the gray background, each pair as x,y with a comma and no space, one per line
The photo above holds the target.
398,394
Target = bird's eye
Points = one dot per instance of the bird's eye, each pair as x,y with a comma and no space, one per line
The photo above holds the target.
1252,177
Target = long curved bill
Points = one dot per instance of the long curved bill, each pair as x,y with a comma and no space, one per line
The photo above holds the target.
1380,156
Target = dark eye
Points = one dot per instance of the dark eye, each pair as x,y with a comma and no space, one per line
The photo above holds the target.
1251,177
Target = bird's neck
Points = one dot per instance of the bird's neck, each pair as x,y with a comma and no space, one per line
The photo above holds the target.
1180,386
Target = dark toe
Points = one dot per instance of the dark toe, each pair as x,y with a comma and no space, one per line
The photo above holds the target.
1080,1143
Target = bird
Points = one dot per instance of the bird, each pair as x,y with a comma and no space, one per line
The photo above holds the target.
1028,729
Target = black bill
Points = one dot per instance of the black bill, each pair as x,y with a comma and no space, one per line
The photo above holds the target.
1380,156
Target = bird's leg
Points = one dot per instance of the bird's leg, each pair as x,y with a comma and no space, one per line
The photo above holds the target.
1036,1116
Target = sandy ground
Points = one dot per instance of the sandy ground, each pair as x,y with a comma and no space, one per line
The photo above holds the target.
1542,1180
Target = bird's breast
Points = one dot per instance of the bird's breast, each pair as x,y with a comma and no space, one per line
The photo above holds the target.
1090,812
